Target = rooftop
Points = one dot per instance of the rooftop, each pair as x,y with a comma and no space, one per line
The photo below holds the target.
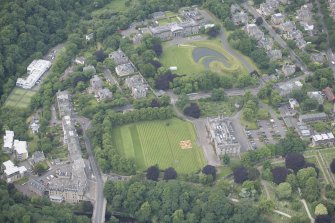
8,139
20,146
10,168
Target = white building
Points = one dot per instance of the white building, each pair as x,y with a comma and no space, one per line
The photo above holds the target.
8,139
12,172
21,149
35,70
293,103
323,139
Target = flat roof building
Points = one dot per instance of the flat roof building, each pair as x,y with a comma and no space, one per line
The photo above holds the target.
313,117
35,70
8,140
21,149
12,172
323,139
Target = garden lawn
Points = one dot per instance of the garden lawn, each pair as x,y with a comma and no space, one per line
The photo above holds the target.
114,6
181,57
19,98
157,142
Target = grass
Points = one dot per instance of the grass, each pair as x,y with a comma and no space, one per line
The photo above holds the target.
252,125
213,108
157,142
181,57
168,20
114,6
19,98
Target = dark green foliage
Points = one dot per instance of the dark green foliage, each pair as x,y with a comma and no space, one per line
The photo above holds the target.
294,161
153,173
170,174
192,110
323,219
240,174
332,166
209,170
279,174
176,201
15,207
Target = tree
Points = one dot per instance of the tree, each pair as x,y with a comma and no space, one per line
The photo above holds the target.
226,159
279,174
218,94
294,161
284,191
40,168
259,21
311,191
304,174
158,49
100,56
332,166
193,110
213,31
240,174
153,173
323,219
320,209
209,170
299,219
170,173
266,206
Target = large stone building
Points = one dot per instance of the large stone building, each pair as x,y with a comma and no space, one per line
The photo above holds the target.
138,86
222,136
174,30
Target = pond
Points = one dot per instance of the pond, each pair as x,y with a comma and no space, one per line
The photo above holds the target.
209,56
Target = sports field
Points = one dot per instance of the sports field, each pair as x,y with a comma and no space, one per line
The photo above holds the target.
19,98
198,56
166,143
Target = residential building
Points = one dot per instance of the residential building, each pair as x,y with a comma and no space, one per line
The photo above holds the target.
288,87
35,70
288,26
329,94
96,83
34,126
293,103
21,149
275,55
64,103
37,157
266,43
288,69
80,60
8,140
277,18
222,136
119,57
37,187
103,94
98,90
318,58
89,37
313,117
125,69
138,86
317,95
303,130
301,43
12,173
254,31
240,18
323,139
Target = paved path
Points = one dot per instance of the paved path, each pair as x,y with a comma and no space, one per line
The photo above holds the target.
100,201
307,210
240,133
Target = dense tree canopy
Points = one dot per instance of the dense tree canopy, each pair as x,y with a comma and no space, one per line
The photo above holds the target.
294,161
175,201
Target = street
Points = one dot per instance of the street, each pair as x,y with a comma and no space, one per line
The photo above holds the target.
99,205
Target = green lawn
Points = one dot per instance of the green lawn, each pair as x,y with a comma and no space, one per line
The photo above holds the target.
181,57
114,6
214,108
157,142
19,98
168,20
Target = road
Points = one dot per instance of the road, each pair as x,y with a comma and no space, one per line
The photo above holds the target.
277,37
329,52
100,202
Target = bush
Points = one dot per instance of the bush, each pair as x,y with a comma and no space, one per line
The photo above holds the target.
294,161
323,219
240,174
170,173
332,166
193,110
153,173
209,170
279,174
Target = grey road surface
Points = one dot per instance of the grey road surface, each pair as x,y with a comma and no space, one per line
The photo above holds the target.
99,209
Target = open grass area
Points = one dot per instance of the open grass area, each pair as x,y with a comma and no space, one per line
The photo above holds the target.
214,108
200,56
158,142
115,6
168,20
19,98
